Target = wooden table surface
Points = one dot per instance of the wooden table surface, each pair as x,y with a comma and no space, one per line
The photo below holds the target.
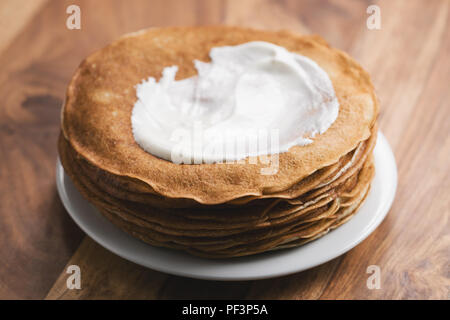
408,58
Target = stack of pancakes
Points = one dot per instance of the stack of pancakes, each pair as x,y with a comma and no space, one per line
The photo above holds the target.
214,210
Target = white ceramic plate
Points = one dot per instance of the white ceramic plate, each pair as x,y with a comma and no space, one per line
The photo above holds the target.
260,266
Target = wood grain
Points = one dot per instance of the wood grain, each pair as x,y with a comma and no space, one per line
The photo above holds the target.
409,63
14,15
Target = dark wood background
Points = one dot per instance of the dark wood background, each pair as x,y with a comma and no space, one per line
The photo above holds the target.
409,63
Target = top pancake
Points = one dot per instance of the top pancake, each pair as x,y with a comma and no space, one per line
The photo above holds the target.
97,113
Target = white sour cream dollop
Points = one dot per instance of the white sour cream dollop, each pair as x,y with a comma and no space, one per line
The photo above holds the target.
252,99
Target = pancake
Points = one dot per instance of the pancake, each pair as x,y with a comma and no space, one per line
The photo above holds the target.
184,217
164,225
293,239
96,115
214,210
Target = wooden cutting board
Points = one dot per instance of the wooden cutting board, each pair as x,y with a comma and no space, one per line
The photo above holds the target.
408,59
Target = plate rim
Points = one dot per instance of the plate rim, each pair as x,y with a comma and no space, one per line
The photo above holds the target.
382,147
